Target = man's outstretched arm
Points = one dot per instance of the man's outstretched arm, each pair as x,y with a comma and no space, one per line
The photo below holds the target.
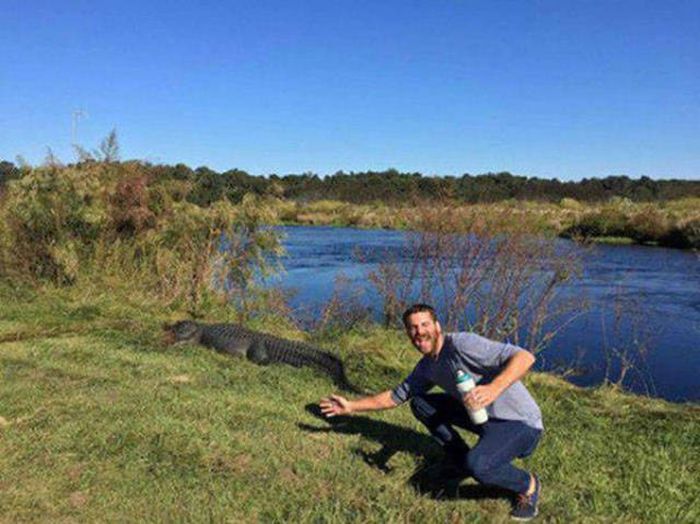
337,405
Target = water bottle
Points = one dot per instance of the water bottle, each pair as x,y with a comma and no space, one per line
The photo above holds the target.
465,383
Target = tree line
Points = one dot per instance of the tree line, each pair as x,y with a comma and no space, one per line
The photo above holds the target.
392,186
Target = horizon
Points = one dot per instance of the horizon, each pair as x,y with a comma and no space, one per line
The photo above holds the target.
540,90
20,160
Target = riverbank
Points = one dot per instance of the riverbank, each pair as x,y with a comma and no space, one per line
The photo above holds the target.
100,421
674,223
629,302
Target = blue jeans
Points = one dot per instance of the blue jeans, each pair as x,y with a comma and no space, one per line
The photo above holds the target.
500,441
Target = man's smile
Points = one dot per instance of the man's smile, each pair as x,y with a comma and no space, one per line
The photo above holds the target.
424,343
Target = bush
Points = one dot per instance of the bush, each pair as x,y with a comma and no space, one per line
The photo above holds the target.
685,235
648,224
93,219
325,206
50,219
570,203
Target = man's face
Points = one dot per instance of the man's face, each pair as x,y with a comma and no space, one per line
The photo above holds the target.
425,333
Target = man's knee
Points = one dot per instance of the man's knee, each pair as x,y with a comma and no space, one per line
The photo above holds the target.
479,466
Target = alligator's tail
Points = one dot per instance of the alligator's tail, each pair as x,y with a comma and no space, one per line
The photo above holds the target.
272,350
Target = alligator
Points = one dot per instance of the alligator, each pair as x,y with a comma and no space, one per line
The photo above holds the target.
259,348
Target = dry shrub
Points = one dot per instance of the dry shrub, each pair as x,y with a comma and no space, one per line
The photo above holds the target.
129,204
482,273
50,218
648,224
112,220
671,225
328,207
690,231
685,234
286,210
626,338
195,250
344,310
314,218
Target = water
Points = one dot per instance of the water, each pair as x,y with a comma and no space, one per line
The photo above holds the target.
657,292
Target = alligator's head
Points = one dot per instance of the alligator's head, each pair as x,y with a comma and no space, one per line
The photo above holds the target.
182,332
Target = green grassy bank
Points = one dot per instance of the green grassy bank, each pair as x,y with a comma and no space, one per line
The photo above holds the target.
101,422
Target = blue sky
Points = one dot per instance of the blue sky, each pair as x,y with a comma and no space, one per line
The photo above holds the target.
564,88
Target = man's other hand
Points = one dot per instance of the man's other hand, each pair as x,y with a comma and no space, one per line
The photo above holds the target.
335,405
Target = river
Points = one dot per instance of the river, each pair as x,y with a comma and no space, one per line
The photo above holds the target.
656,290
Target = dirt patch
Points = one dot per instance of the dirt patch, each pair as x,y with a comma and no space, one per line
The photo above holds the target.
242,461
78,499
223,464
74,472
289,476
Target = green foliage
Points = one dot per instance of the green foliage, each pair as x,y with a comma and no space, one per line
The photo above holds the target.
570,203
671,226
50,218
394,187
96,220
599,224
612,207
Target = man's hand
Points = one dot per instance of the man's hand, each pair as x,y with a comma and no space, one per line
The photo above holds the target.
335,405
517,366
481,396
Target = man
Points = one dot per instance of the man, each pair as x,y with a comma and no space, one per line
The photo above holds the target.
515,422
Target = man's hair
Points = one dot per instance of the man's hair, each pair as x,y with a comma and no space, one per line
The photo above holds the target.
418,308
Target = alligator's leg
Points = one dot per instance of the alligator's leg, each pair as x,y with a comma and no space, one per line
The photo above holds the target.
258,353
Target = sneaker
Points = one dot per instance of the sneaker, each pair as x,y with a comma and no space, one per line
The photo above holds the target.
526,505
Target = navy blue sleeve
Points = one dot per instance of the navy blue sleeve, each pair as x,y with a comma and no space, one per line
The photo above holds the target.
414,384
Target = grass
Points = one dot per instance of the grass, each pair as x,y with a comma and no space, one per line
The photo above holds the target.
618,241
672,224
100,421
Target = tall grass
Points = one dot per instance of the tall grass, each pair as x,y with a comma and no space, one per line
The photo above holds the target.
671,224
110,221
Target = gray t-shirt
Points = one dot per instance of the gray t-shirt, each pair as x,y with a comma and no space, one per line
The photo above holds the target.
484,359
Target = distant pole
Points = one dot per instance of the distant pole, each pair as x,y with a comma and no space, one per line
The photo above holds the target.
77,115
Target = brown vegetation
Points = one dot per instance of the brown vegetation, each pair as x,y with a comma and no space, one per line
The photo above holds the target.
109,220
670,224
489,275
